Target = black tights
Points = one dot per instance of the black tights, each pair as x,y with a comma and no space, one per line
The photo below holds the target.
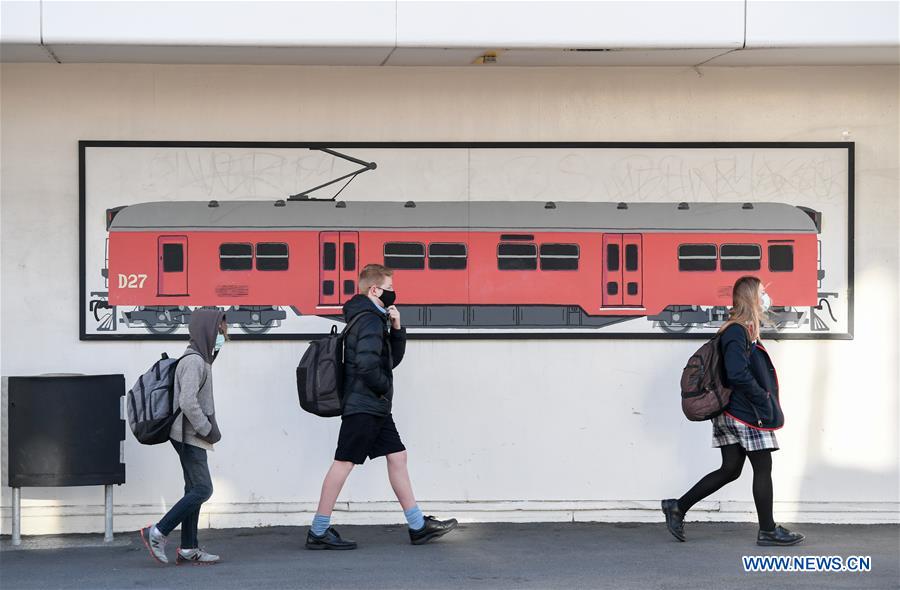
732,463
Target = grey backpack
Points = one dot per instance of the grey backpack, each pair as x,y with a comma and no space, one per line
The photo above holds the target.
320,374
149,403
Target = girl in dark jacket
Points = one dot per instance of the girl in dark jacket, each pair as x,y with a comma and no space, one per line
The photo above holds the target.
746,429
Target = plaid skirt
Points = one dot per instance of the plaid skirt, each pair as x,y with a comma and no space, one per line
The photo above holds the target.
728,431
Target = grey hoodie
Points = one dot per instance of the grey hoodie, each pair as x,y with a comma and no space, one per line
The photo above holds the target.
194,385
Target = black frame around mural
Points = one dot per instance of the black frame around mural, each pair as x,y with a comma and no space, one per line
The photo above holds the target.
83,145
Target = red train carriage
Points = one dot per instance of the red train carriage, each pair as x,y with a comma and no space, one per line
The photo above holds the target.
460,264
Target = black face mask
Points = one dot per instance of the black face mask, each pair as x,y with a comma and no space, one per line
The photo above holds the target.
387,297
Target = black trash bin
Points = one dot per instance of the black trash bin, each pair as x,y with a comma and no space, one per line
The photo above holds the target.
64,431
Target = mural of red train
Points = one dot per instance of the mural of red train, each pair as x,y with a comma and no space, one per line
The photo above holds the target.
469,265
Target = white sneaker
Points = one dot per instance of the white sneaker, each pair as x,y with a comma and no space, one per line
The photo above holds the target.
195,556
155,542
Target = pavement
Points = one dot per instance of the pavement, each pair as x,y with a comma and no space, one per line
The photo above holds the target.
534,555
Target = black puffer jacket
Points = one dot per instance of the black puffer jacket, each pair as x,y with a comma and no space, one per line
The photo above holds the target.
750,374
371,351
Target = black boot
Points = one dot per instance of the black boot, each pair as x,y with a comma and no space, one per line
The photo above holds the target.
674,518
433,529
329,540
779,537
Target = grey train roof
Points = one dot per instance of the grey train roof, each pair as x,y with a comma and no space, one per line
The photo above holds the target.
449,215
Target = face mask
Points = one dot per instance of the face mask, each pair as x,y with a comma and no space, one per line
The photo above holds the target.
387,297
766,301
220,341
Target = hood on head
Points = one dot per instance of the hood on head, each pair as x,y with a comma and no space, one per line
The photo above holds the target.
358,304
204,328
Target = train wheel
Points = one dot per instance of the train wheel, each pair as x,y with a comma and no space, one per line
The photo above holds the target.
256,328
680,319
675,328
161,328
162,325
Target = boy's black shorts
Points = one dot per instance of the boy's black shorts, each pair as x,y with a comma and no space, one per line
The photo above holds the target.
365,435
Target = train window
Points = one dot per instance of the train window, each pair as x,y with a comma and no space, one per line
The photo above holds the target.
697,257
559,256
327,287
173,258
349,256
612,257
781,258
329,256
740,256
271,256
631,258
404,255
235,256
446,256
517,257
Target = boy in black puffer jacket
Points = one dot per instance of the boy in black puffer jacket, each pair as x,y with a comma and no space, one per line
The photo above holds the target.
372,349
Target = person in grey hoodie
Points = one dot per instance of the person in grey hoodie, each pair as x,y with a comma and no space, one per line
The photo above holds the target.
194,432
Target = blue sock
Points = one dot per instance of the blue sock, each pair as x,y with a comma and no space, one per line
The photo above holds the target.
414,518
320,524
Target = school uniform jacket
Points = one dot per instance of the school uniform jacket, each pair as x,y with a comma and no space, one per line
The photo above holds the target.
372,349
750,374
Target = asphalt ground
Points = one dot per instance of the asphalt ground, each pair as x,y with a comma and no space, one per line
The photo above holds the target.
535,555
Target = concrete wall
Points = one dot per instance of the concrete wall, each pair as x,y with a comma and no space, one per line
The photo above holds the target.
498,430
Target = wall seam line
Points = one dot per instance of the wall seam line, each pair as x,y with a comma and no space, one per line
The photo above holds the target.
46,48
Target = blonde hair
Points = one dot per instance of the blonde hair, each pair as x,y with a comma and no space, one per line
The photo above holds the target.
373,274
745,308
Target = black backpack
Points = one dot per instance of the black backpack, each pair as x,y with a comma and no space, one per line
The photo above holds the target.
703,393
320,374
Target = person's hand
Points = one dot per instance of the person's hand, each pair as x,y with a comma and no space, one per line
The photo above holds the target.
214,435
394,315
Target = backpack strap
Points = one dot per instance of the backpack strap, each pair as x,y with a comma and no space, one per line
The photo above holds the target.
730,323
178,411
202,383
354,321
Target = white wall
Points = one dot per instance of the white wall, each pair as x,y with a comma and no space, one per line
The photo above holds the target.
497,429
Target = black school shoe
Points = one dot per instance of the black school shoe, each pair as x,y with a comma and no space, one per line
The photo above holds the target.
432,530
780,537
331,539
674,518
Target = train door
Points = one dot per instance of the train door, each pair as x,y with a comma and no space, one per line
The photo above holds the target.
632,271
622,270
612,270
338,263
173,265
329,275
349,272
